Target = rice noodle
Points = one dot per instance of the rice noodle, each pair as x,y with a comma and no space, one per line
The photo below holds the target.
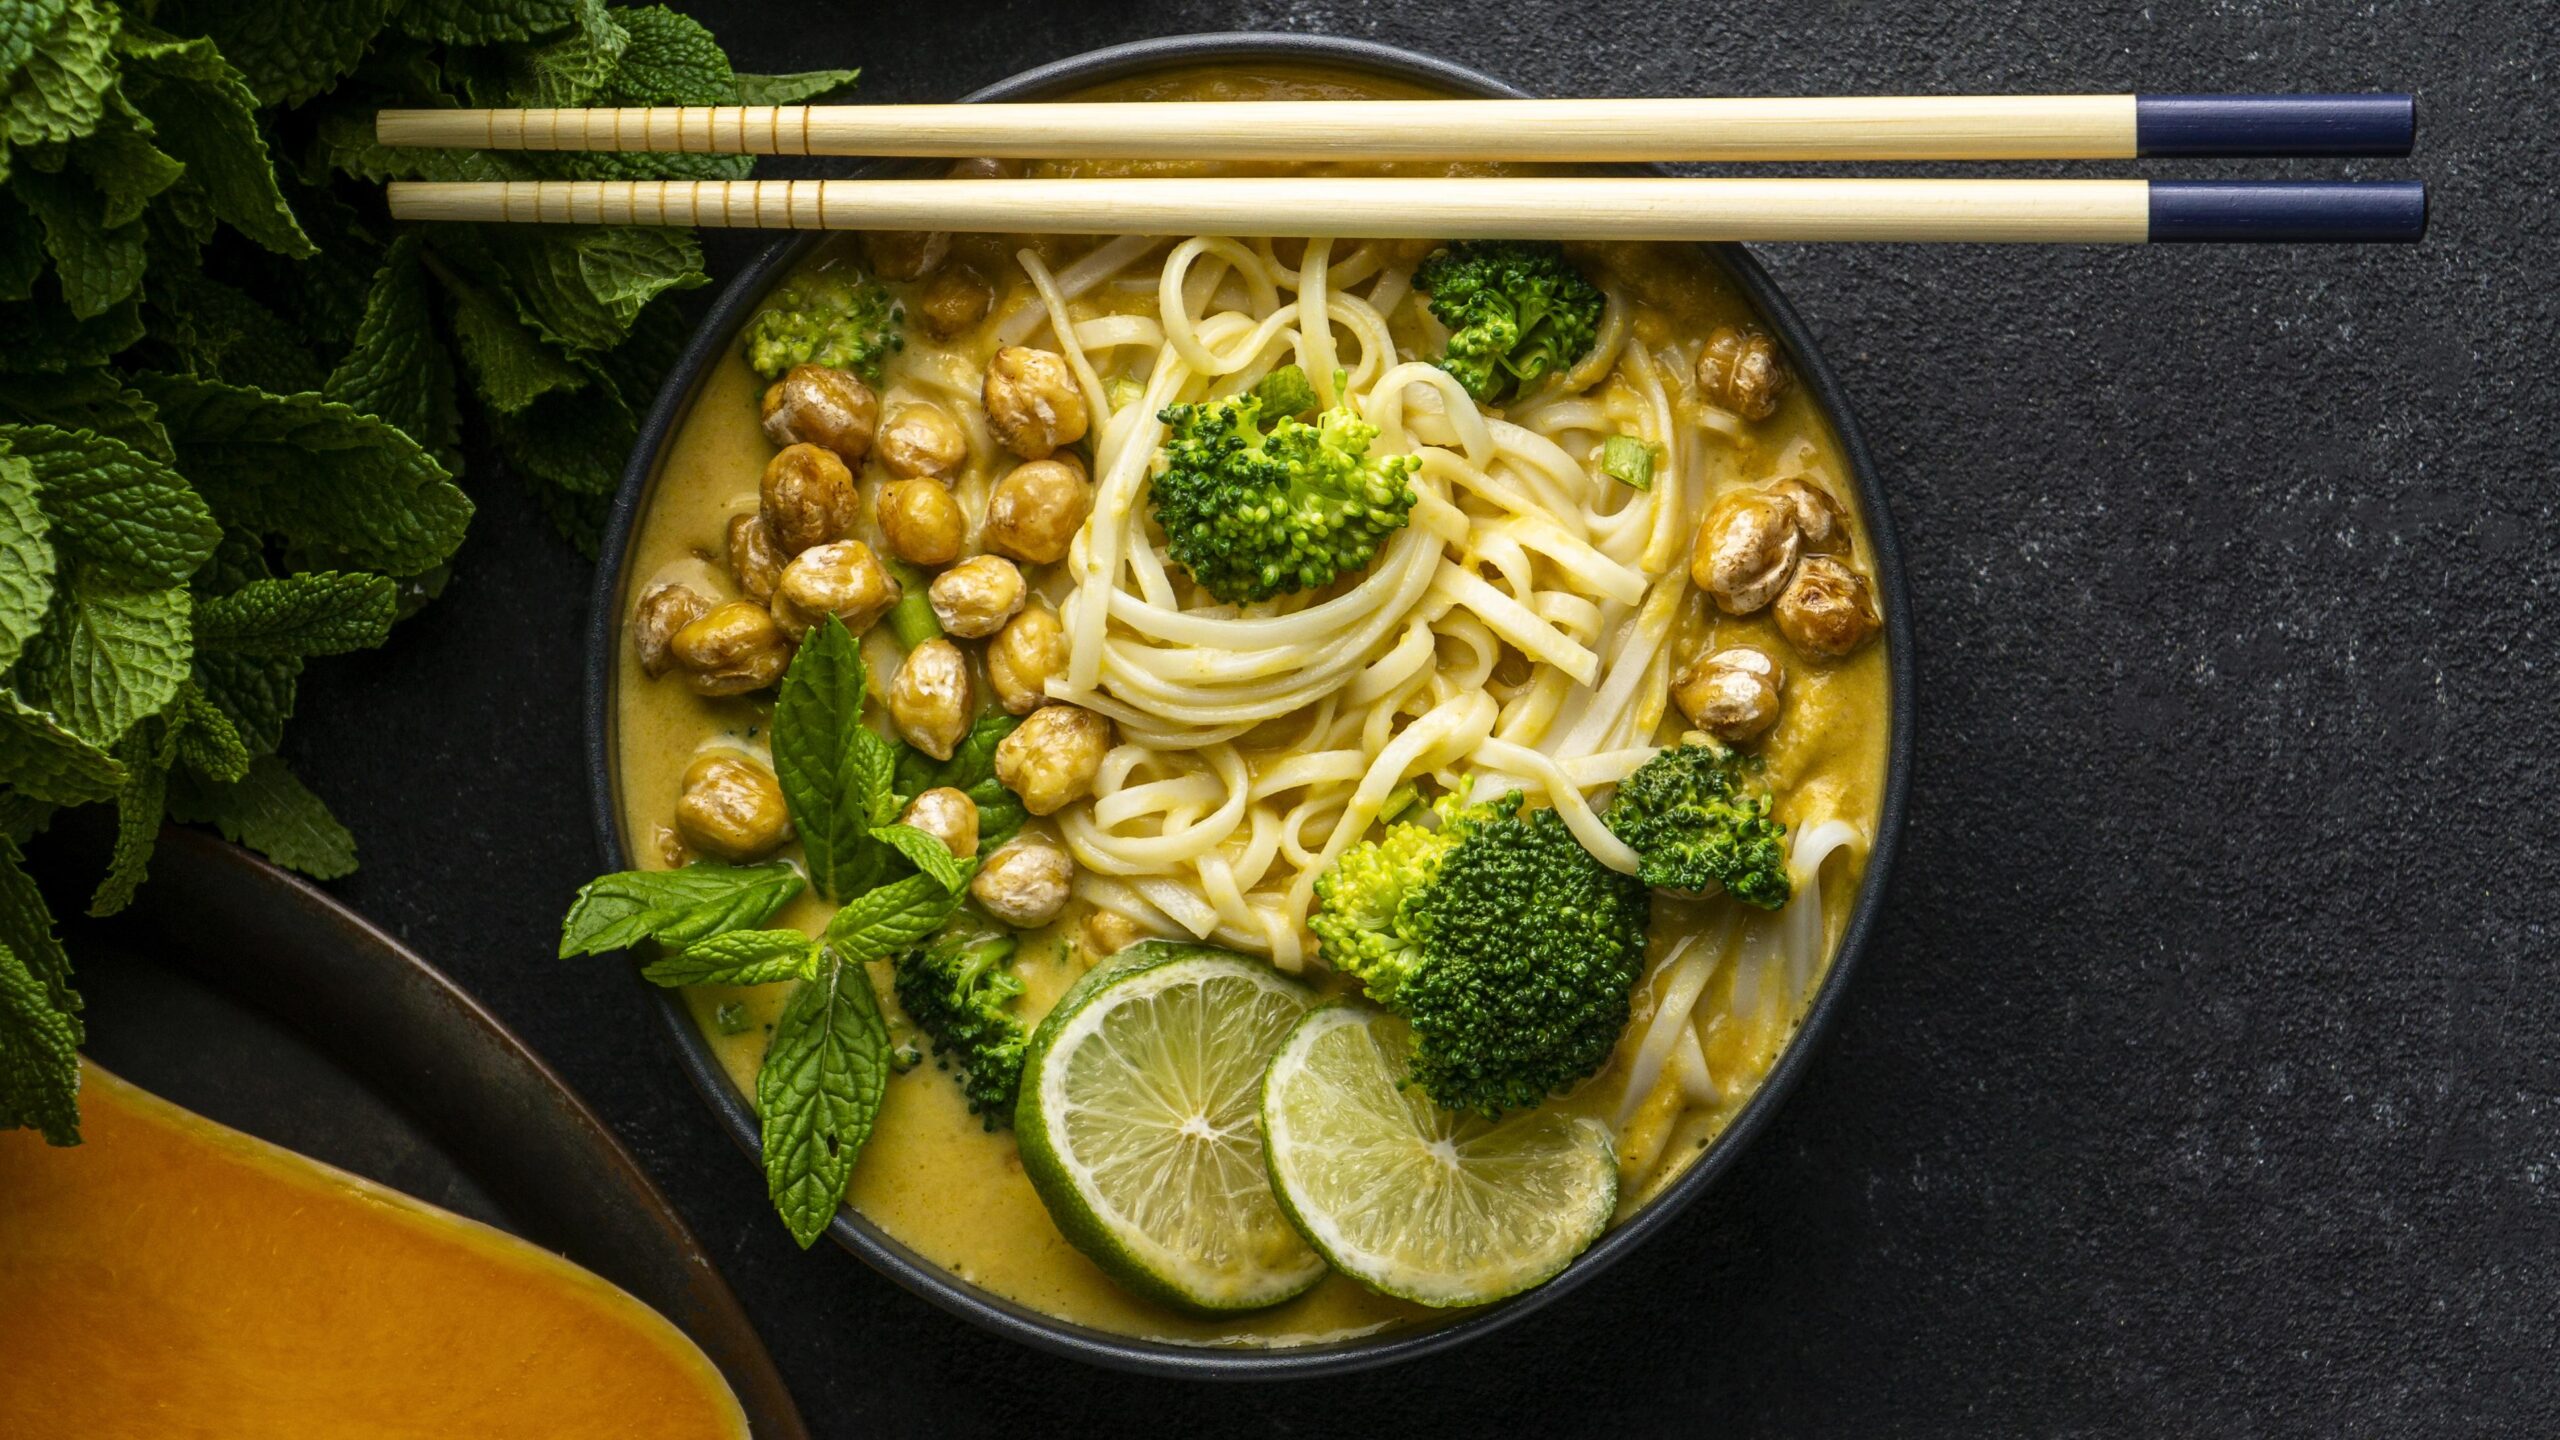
1258,742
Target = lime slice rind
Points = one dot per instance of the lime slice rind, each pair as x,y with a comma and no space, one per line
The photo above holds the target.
1140,1129
1415,1201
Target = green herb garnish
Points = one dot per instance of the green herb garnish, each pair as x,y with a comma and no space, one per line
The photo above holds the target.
818,1092
1627,458
231,393
818,1087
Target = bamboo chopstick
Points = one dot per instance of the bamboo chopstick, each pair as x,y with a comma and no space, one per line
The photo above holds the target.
1592,208
1862,127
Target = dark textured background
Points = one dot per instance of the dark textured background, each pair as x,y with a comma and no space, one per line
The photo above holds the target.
2204,1076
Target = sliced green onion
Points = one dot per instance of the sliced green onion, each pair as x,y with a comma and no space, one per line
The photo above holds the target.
731,1018
911,619
1123,392
1398,801
1627,458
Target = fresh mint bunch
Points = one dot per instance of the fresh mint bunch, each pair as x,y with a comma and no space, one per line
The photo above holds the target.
234,397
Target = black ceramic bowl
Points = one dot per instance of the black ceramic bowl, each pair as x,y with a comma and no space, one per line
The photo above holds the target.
714,340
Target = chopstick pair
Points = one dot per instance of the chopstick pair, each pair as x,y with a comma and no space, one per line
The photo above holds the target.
1544,131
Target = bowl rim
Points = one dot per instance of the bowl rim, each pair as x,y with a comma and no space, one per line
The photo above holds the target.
711,340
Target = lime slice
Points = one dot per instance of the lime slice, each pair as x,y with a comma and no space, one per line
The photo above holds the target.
1138,1129
1413,1200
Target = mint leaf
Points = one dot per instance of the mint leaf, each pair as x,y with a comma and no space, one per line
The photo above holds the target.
61,90
835,770
40,333
677,908
882,922
927,854
510,365
40,1030
113,507
818,1092
21,26
21,245
577,441
793,89
119,158
87,400
207,742
314,471
201,109
740,957
26,928
217,332
254,694
485,22
147,754
39,1056
396,369
26,558
272,813
96,265
669,60
318,612
570,71
45,761
287,53
118,652
971,770
586,284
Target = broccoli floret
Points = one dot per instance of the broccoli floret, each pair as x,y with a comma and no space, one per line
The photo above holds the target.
1508,949
958,990
1254,511
1699,815
1516,312
837,317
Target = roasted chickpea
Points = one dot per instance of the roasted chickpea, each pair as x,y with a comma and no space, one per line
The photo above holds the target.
808,498
929,699
1827,609
1030,648
1025,883
662,612
732,808
1732,694
947,815
731,650
1742,371
905,254
1032,401
922,440
956,299
753,557
843,579
1744,550
824,406
1036,510
921,522
1106,933
1819,516
1050,759
977,596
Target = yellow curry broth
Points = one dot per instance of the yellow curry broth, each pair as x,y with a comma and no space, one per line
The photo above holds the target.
932,1176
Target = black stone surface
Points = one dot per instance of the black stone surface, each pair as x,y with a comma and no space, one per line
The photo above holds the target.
2204,1080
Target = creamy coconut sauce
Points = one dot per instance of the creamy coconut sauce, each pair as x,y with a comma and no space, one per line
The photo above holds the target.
931,1177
